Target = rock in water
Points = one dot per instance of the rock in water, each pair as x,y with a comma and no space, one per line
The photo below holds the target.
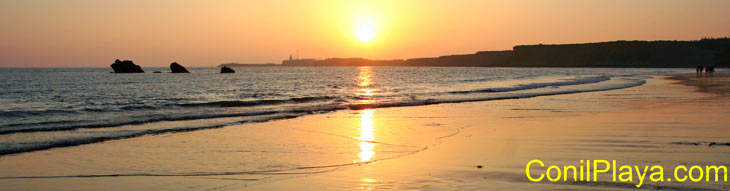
126,66
177,68
227,69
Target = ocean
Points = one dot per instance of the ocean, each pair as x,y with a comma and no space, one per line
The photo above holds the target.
45,108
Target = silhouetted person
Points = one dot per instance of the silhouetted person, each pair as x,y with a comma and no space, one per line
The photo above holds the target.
708,70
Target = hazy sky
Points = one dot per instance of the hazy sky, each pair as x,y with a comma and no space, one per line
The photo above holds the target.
92,33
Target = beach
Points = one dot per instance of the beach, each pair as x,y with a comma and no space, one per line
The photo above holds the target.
485,145
364,95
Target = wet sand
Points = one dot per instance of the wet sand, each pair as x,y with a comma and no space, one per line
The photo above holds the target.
668,121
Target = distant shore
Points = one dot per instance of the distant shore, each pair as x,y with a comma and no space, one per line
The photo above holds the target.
233,64
614,54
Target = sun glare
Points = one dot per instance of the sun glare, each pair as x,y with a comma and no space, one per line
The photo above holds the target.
365,29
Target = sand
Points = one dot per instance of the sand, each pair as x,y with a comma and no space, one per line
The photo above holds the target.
668,121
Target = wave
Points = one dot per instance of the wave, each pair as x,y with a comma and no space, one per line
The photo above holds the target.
568,82
39,123
624,83
133,122
479,80
232,103
259,102
36,113
62,125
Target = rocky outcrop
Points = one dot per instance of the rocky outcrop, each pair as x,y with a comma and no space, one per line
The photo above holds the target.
177,68
126,66
227,69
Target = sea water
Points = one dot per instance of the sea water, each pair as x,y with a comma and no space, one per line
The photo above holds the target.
45,108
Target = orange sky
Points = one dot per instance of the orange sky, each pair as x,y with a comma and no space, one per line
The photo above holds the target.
92,33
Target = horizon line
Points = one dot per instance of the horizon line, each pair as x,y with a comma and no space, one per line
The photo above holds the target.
280,62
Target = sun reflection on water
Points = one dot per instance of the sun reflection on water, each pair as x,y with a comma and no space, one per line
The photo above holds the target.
365,76
364,80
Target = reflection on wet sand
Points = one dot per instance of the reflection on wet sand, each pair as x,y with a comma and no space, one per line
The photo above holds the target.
366,136
367,184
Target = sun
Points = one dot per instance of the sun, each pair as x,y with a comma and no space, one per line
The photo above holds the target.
365,30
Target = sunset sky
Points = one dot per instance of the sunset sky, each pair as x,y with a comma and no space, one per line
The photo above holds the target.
92,33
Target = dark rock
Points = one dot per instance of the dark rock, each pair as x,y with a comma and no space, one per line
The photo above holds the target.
126,66
157,72
177,68
227,69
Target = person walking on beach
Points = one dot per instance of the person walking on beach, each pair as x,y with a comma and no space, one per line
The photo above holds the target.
709,70
699,68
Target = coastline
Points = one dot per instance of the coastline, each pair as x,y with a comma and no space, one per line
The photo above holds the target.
421,147
621,54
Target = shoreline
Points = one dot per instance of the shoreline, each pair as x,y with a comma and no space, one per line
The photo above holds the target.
717,83
492,134
577,84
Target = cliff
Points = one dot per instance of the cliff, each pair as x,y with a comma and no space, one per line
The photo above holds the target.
648,54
